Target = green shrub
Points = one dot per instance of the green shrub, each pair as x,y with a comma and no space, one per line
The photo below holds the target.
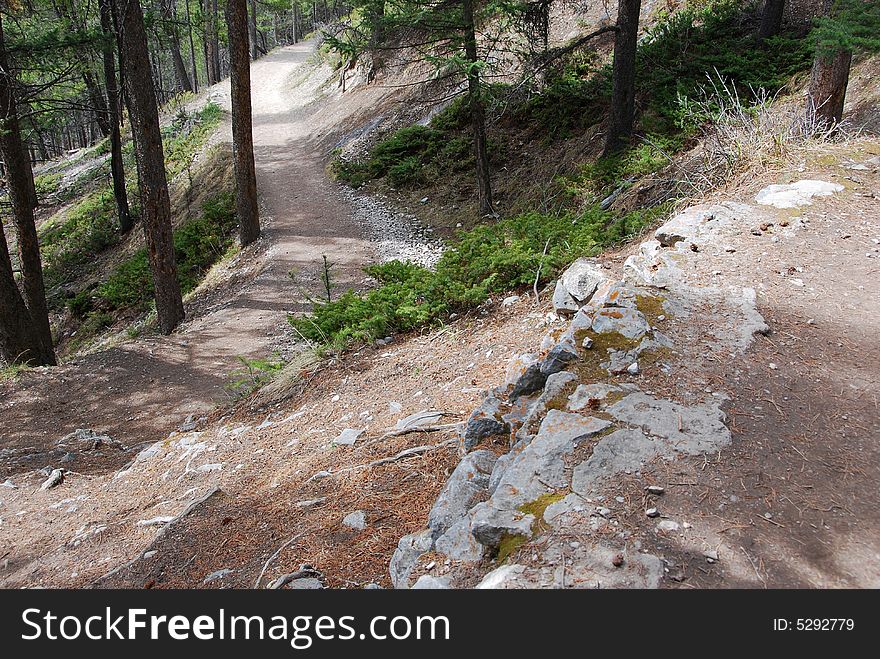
486,260
77,235
198,244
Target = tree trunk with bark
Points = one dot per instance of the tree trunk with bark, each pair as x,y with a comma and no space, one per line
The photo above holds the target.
623,77
155,205
20,184
252,29
771,19
242,123
117,168
827,93
19,343
478,118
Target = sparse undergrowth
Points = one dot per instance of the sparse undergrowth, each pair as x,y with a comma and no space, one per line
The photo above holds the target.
483,261
198,244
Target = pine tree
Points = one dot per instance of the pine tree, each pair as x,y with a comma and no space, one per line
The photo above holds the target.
242,124
149,156
845,27
623,77
20,182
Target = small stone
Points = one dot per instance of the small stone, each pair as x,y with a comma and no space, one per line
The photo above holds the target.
618,560
620,499
711,556
633,369
348,436
510,301
652,512
604,512
587,343
668,526
772,366
655,489
423,200
150,554
356,520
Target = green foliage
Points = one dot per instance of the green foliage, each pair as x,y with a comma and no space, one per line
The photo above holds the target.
183,138
851,25
47,184
198,244
409,157
674,59
608,172
486,260
77,235
255,374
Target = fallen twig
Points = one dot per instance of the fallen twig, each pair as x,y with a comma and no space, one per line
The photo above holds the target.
273,557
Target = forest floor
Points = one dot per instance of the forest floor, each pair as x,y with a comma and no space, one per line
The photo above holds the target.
148,386
792,502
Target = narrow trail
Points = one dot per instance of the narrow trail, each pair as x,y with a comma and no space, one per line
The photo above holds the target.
148,386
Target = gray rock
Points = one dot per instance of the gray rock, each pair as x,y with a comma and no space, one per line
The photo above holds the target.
554,388
585,393
420,419
89,440
504,577
797,194
627,321
490,525
459,544
373,586
534,467
532,380
409,549
619,451
485,421
427,582
577,285
563,304
348,436
668,526
356,520
690,429
306,583
467,483
560,355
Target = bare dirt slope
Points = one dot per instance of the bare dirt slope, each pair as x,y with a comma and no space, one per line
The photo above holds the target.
790,502
148,386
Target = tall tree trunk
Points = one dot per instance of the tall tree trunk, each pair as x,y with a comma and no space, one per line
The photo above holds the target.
827,93
156,207
771,19
117,168
173,45
828,80
192,49
623,77
19,342
252,28
242,128
478,119
20,181
96,100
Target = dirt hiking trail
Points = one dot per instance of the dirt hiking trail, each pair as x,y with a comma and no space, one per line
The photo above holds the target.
146,387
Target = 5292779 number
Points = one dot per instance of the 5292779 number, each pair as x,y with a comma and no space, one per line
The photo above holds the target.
814,624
